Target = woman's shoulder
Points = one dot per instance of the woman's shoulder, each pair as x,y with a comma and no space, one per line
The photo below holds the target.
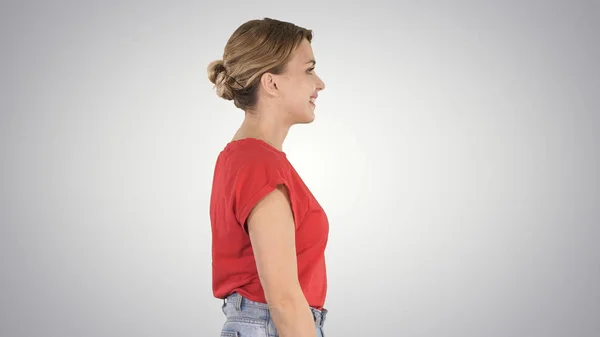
252,152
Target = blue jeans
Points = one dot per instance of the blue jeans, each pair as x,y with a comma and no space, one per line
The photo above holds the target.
246,318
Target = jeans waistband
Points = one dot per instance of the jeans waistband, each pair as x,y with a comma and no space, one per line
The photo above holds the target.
240,302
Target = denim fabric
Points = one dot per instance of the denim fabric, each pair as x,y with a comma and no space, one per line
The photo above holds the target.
246,318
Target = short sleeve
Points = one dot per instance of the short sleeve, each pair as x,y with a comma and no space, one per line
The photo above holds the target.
254,180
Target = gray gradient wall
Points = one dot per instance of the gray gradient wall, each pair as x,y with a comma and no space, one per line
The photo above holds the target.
455,150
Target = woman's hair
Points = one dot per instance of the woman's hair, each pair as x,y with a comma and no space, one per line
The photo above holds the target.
254,48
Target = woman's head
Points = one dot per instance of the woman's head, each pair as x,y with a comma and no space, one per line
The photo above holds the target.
269,63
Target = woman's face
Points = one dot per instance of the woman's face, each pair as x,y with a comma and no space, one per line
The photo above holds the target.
299,86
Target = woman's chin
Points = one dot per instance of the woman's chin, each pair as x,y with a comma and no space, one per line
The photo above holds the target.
305,117
310,117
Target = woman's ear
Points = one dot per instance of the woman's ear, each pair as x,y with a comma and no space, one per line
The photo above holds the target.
269,83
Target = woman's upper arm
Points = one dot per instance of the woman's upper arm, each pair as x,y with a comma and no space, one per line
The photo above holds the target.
272,235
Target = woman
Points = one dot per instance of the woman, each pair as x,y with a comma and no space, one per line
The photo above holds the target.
268,231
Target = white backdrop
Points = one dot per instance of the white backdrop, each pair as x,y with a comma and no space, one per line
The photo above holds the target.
455,150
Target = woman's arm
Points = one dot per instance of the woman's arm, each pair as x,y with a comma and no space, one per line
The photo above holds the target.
272,234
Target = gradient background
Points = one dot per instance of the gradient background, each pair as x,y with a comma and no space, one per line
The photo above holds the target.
455,150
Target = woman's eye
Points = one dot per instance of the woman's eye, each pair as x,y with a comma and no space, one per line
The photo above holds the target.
310,70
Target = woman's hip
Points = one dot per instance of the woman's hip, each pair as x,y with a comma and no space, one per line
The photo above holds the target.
246,318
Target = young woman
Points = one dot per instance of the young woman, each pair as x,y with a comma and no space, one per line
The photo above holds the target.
269,233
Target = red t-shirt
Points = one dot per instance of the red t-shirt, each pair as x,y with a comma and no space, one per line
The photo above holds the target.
245,172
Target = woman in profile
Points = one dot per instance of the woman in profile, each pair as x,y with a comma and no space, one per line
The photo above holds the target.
269,233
